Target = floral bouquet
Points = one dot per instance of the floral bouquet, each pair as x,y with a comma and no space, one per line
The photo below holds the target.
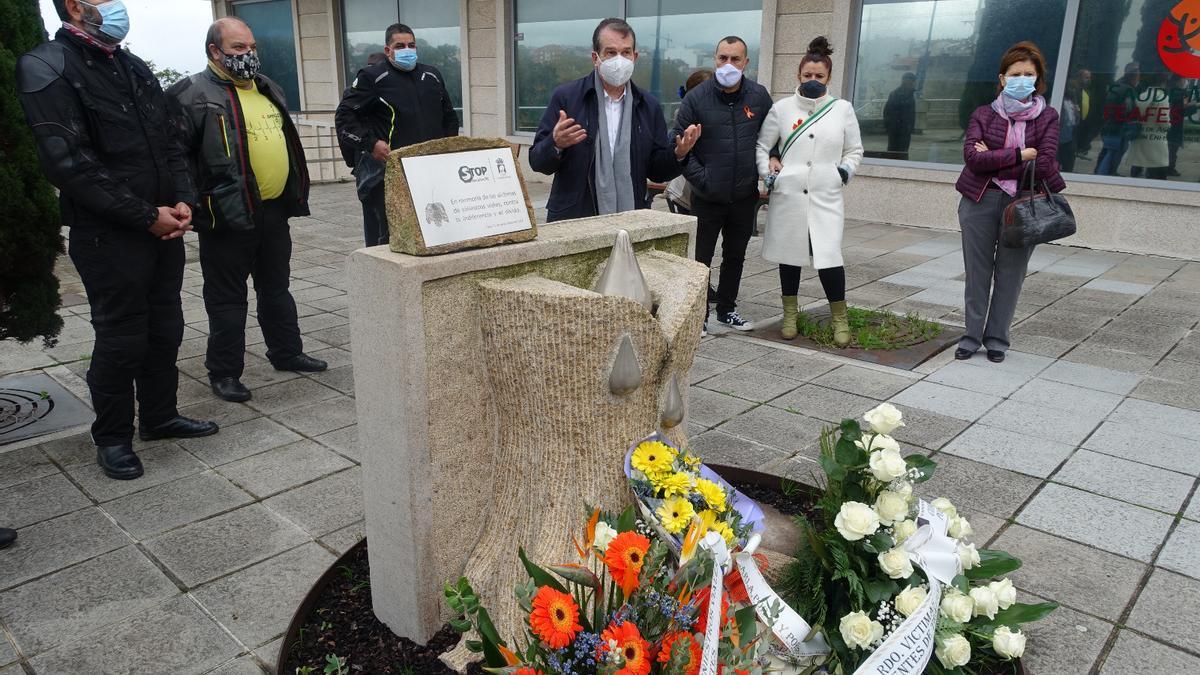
672,487
623,608
858,574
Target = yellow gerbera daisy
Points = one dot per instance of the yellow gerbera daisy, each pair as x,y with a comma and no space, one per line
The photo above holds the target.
653,458
711,521
675,514
672,484
714,495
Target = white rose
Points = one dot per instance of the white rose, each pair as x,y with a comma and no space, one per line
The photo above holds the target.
953,651
1006,595
895,563
604,536
957,607
856,520
910,599
903,530
891,506
968,556
902,488
887,465
960,528
884,418
875,442
942,504
858,630
1008,645
986,603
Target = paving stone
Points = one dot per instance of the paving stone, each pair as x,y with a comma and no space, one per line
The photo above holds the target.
341,540
239,441
1105,523
269,653
257,603
1135,654
1042,422
26,464
37,500
1038,345
136,645
166,507
927,429
716,447
71,603
1182,552
243,666
228,542
1125,480
8,654
1167,419
282,468
341,379
802,367
54,544
343,441
731,351
1091,377
319,418
958,403
163,464
1115,359
324,505
865,382
224,413
1167,392
825,404
967,375
77,449
1099,583
335,357
1123,287
750,384
1064,642
263,374
709,408
789,432
1067,397
1010,450
704,368
1168,609
291,394
973,487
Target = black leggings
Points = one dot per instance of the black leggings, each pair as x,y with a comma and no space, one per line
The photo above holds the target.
833,280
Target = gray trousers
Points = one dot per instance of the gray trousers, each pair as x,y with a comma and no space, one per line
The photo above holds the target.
994,273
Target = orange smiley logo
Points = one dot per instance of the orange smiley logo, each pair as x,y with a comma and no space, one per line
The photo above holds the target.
1179,39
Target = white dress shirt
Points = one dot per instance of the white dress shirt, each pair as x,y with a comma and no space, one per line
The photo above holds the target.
613,107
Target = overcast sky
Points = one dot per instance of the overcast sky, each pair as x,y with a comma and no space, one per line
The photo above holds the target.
168,32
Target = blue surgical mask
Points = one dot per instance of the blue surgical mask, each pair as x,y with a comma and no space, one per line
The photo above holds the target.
1020,87
114,20
405,59
813,89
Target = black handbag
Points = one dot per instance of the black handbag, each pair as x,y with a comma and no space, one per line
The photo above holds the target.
1036,217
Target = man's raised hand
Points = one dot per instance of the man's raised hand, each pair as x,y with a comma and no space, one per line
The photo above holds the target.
684,143
567,132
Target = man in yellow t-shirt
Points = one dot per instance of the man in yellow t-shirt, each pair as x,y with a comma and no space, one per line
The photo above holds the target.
250,172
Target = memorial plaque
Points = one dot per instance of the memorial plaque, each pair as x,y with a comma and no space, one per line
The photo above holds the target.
456,193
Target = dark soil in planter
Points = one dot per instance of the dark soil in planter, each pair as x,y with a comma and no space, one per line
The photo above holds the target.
343,623
790,499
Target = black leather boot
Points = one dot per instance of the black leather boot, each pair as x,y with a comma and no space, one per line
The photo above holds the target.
119,462
7,537
229,389
301,363
178,427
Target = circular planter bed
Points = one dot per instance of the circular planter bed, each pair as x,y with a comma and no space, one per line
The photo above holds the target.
336,625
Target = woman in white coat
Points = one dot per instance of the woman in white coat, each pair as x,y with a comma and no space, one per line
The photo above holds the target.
820,148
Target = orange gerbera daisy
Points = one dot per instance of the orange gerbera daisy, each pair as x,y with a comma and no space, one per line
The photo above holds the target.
624,558
695,651
701,598
555,617
634,650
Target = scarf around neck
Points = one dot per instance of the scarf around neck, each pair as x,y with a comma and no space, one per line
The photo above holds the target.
102,46
1016,113
614,189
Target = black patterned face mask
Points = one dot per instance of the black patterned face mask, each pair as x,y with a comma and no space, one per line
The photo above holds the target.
241,66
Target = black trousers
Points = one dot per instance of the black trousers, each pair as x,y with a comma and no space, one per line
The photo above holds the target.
375,224
227,259
734,223
133,280
833,281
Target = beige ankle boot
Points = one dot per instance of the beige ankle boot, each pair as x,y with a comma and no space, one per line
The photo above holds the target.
840,323
788,330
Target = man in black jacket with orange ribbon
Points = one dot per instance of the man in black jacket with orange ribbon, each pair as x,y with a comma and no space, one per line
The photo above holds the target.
103,139
250,171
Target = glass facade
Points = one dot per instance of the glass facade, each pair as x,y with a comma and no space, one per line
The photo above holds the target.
553,44
438,32
271,22
1128,96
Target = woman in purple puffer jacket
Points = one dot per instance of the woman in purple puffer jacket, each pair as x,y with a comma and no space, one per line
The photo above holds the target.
1002,138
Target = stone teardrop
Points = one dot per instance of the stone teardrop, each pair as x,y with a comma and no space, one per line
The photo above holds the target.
622,275
626,375
672,412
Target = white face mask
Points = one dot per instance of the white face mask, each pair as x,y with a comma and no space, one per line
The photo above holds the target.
728,75
616,71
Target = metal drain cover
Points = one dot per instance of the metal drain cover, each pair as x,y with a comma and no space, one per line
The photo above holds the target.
35,405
